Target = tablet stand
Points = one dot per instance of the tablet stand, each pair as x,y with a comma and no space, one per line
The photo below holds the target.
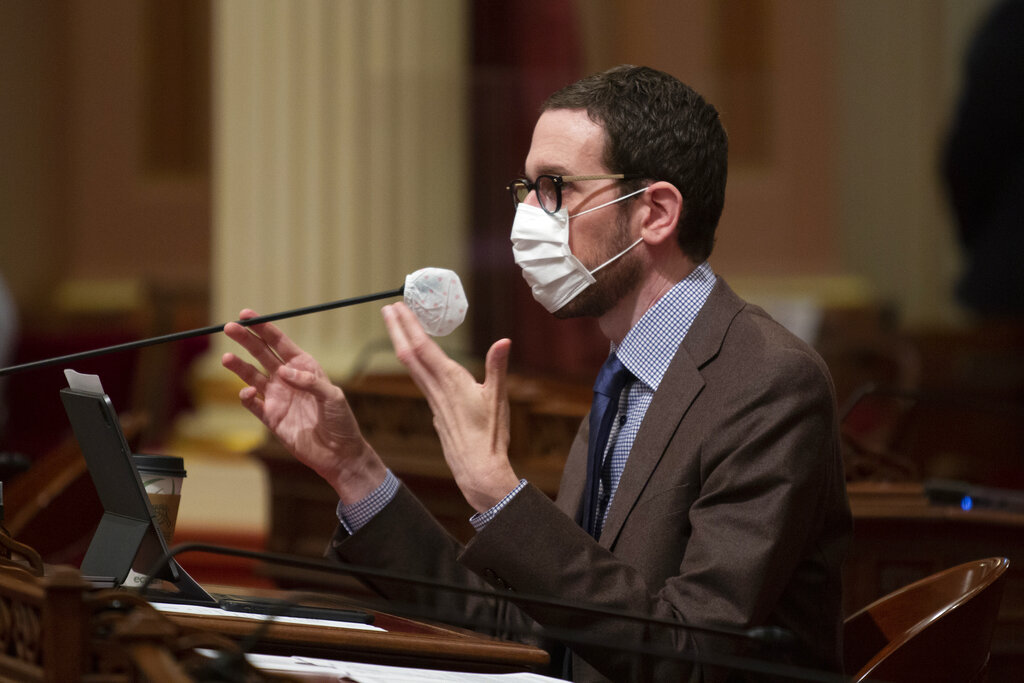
128,535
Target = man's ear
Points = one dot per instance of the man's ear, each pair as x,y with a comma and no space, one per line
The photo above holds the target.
665,206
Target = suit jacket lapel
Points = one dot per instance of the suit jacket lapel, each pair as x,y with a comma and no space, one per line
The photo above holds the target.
574,476
679,387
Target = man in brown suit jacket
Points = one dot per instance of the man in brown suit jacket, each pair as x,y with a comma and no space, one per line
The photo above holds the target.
718,500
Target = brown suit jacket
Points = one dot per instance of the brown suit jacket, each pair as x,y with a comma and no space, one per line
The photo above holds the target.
731,512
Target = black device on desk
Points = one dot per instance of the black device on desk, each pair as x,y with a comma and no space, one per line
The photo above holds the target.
128,536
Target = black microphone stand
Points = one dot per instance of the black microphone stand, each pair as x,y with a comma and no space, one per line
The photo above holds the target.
200,331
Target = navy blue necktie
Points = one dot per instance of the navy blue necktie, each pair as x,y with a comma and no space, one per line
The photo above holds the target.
607,387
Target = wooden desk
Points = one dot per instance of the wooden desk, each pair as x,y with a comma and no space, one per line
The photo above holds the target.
58,628
403,642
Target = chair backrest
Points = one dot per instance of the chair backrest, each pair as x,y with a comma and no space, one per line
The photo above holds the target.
936,629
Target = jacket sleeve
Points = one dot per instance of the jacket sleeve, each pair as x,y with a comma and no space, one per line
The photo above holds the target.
404,539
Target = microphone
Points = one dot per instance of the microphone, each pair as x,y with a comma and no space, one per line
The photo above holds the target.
435,295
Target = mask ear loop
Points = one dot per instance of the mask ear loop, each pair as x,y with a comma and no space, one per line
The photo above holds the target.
618,256
626,250
614,201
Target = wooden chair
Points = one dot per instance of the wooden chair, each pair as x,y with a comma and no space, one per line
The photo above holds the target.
936,629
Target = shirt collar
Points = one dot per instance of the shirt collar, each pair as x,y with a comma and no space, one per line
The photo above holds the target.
649,346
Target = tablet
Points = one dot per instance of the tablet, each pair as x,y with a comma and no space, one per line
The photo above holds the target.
128,536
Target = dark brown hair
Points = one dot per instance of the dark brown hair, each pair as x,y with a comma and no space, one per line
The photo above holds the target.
661,129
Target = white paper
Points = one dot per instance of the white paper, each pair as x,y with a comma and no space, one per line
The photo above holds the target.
378,673
82,382
173,608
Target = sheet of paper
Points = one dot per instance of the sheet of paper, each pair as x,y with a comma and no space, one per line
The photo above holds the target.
377,673
83,382
172,608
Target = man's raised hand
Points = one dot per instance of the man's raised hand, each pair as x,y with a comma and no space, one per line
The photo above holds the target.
292,395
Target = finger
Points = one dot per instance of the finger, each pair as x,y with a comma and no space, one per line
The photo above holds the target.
247,372
252,401
254,344
418,341
274,338
413,348
408,349
398,331
495,379
496,368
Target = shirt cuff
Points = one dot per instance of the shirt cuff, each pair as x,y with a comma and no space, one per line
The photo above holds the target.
480,519
355,516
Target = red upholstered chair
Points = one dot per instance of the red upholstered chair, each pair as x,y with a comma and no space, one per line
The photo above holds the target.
936,629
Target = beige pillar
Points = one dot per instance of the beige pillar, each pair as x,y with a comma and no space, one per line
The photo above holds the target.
339,158
339,167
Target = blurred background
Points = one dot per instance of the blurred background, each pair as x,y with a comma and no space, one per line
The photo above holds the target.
169,162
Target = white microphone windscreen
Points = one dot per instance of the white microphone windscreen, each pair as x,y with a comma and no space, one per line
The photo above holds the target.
436,296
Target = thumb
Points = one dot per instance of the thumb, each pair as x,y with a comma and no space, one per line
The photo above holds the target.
496,367
497,364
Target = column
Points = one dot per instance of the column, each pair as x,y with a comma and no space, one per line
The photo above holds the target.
339,159
339,166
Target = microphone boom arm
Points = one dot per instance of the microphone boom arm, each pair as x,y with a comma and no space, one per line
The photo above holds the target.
198,332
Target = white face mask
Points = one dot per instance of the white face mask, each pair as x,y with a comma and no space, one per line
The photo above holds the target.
540,245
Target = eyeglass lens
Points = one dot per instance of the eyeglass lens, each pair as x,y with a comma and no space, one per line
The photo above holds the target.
548,192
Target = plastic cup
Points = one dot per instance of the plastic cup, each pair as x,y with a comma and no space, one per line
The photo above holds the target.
162,476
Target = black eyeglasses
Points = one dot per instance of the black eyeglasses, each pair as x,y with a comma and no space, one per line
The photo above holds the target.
549,188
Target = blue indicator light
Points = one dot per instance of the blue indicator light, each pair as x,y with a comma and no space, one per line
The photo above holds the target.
966,503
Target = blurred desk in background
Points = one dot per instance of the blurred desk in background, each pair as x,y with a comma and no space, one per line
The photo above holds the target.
899,537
